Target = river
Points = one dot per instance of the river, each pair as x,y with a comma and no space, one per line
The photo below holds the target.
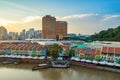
24,72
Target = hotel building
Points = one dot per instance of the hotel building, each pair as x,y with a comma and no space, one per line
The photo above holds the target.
48,27
61,29
52,28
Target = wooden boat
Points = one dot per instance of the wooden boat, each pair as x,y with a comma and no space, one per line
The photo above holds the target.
40,66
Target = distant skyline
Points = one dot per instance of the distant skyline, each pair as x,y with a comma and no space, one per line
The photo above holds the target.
83,16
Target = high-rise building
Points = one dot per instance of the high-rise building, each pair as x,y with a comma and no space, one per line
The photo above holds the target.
3,33
38,34
23,35
61,29
48,27
30,34
13,36
52,28
33,34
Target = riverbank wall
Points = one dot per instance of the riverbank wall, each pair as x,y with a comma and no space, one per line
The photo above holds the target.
95,66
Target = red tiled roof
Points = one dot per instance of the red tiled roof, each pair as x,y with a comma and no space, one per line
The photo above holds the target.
104,49
111,50
81,50
117,50
79,42
65,46
96,52
21,46
91,52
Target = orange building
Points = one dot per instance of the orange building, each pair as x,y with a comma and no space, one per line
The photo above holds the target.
61,29
48,27
52,29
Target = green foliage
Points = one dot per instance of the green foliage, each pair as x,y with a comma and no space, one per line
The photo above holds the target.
107,35
81,57
38,55
33,55
55,50
118,61
2,53
71,52
109,60
90,57
97,57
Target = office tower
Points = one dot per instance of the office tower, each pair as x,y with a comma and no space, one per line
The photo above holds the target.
61,29
48,27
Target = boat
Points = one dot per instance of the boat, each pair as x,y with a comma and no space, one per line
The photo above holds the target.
16,62
11,61
7,62
40,66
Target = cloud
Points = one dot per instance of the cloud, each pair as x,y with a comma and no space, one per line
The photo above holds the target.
30,18
18,6
91,23
82,23
27,19
25,23
109,17
5,22
80,16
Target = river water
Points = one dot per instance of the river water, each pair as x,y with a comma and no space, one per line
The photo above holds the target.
24,72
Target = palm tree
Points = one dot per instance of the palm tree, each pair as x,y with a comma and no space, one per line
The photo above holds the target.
55,50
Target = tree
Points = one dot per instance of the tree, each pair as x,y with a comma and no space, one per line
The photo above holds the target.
98,57
2,53
71,52
90,58
118,61
107,35
55,49
33,54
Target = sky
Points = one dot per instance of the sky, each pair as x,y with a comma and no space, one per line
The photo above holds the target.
82,16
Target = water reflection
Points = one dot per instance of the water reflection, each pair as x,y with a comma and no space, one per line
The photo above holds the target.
24,72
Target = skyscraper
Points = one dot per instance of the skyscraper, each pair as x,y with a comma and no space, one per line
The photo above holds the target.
48,27
22,35
61,29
